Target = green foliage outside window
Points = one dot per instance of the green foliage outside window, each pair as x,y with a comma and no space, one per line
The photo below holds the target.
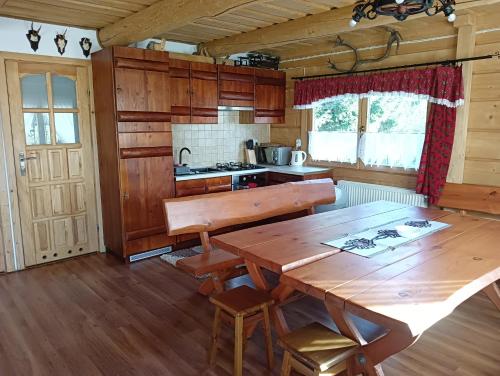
339,115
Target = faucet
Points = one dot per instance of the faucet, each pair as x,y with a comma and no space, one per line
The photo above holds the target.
180,156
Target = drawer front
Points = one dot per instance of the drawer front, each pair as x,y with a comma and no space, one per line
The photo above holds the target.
279,178
146,139
190,187
219,184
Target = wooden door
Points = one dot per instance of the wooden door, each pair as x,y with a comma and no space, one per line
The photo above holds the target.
204,102
50,114
269,96
236,86
142,91
145,182
180,91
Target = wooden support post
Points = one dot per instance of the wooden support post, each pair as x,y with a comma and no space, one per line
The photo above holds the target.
466,43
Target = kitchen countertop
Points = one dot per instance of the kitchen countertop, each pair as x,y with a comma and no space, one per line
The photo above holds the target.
292,170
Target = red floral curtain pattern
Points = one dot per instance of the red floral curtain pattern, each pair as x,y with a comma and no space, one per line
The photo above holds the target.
442,85
443,88
436,152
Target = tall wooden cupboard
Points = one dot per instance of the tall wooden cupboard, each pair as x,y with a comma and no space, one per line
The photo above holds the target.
132,108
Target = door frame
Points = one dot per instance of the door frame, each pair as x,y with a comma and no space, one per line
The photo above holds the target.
10,218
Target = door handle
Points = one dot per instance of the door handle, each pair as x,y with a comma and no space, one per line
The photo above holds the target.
22,163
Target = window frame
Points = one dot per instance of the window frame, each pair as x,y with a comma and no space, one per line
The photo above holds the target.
359,164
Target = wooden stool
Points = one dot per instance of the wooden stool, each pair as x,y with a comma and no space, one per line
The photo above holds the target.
244,307
316,350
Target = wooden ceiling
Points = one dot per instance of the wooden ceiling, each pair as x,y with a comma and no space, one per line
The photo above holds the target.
91,14
222,21
97,14
250,16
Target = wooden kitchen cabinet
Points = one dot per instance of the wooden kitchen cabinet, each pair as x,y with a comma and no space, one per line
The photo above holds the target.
236,86
132,108
180,91
195,187
269,106
269,96
204,103
193,92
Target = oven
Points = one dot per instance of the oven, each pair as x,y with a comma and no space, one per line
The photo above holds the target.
248,181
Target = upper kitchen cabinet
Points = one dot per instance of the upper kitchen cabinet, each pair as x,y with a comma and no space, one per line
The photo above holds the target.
141,83
193,92
204,93
180,91
236,86
269,96
134,138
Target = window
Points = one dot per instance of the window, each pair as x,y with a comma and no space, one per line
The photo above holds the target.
379,131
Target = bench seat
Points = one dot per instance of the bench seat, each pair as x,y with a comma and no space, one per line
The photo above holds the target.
209,262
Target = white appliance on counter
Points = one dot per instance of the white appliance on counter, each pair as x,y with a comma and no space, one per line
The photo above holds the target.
298,158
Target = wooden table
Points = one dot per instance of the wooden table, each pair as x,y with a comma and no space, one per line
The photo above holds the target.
406,290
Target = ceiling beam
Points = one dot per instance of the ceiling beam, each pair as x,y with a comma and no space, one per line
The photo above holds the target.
162,17
319,25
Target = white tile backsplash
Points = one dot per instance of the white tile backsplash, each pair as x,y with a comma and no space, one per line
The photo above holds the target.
212,143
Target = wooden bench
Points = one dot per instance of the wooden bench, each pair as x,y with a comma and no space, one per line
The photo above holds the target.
469,197
206,213
479,199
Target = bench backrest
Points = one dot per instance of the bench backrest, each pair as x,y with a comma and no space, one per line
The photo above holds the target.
478,198
214,211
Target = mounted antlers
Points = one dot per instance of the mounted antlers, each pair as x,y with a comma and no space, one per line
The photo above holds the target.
394,37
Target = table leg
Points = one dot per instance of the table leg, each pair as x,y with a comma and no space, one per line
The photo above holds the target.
372,353
280,293
493,292
257,276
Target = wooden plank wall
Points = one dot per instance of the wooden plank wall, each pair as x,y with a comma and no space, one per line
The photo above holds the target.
482,159
482,165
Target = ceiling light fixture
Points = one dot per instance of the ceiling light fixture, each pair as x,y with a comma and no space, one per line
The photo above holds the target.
401,9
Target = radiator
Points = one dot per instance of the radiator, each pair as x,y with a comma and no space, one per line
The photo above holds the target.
362,193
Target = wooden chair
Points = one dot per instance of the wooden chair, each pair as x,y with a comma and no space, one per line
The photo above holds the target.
204,213
242,307
315,350
476,198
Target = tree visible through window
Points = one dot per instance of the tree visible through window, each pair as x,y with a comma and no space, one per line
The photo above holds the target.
390,131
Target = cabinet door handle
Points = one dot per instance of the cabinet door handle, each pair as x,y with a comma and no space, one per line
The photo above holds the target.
125,196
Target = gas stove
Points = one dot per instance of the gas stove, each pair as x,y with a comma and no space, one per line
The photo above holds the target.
236,166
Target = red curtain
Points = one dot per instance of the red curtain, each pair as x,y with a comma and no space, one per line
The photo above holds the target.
442,85
436,152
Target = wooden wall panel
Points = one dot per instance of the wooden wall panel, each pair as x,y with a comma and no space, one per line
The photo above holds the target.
485,115
485,87
482,160
482,172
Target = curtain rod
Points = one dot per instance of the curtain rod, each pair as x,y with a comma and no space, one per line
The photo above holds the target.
442,62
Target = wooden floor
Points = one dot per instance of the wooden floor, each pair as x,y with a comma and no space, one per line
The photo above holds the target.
95,316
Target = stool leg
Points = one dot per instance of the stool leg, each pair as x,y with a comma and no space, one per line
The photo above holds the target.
286,368
215,337
268,337
238,345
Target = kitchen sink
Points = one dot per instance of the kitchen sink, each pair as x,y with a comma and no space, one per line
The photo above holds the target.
203,170
195,171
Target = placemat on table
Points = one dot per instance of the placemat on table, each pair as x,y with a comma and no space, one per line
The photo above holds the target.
373,241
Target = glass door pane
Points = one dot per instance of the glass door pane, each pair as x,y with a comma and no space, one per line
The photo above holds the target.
66,125
37,128
63,92
34,91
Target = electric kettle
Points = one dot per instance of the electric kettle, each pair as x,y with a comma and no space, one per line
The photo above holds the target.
298,158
